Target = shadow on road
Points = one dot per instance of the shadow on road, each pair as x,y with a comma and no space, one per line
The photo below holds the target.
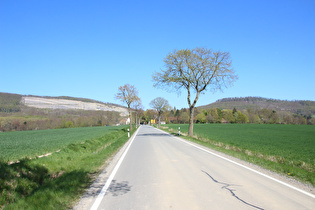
119,188
154,134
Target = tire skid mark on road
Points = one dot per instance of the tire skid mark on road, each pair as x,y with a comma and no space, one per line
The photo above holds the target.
226,187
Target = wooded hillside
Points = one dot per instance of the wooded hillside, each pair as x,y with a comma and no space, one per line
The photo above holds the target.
15,115
254,110
306,108
10,102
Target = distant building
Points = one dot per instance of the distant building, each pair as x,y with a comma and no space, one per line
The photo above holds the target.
125,121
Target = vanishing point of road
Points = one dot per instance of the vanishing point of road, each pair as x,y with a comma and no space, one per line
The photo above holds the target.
160,171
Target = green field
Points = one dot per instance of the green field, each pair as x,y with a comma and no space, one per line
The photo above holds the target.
288,149
20,144
59,180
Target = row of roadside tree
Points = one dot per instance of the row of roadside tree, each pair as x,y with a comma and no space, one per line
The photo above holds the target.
259,116
216,115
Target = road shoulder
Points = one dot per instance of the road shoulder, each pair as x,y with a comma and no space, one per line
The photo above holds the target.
89,197
295,183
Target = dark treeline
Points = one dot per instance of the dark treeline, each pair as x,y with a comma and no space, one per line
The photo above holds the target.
216,115
297,107
255,110
253,99
244,99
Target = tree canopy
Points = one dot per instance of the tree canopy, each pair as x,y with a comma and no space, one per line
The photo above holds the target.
161,105
128,94
195,70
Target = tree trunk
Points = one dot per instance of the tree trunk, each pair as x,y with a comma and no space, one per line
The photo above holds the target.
136,119
130,129
191,121
159,121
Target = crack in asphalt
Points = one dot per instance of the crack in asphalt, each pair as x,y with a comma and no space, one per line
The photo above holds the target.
226,186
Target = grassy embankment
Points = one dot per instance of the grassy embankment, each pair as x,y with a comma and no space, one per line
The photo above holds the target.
286,149
55,181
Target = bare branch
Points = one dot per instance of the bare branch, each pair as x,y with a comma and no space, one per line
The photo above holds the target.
198,69
128,94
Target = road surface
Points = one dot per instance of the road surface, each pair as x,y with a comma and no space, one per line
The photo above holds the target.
160,171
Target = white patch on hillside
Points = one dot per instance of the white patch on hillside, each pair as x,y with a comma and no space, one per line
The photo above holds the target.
52,103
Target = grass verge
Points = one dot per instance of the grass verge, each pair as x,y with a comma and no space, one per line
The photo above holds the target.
57,181
288,150
19,144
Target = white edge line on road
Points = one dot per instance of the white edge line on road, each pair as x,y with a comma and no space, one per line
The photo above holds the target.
257,172
112,175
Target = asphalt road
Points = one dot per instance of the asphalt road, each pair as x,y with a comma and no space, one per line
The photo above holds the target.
160,171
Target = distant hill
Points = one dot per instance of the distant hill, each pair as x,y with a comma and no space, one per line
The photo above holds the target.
14,102
301,107
77,99
60,103
10,102
21,112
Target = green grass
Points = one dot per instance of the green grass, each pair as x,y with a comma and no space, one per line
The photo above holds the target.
58,181
288,149
20,144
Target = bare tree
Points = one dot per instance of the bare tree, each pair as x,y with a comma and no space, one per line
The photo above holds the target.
138,107
161,105
128,94
195,70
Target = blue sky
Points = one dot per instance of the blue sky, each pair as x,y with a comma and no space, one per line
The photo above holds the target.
90,48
